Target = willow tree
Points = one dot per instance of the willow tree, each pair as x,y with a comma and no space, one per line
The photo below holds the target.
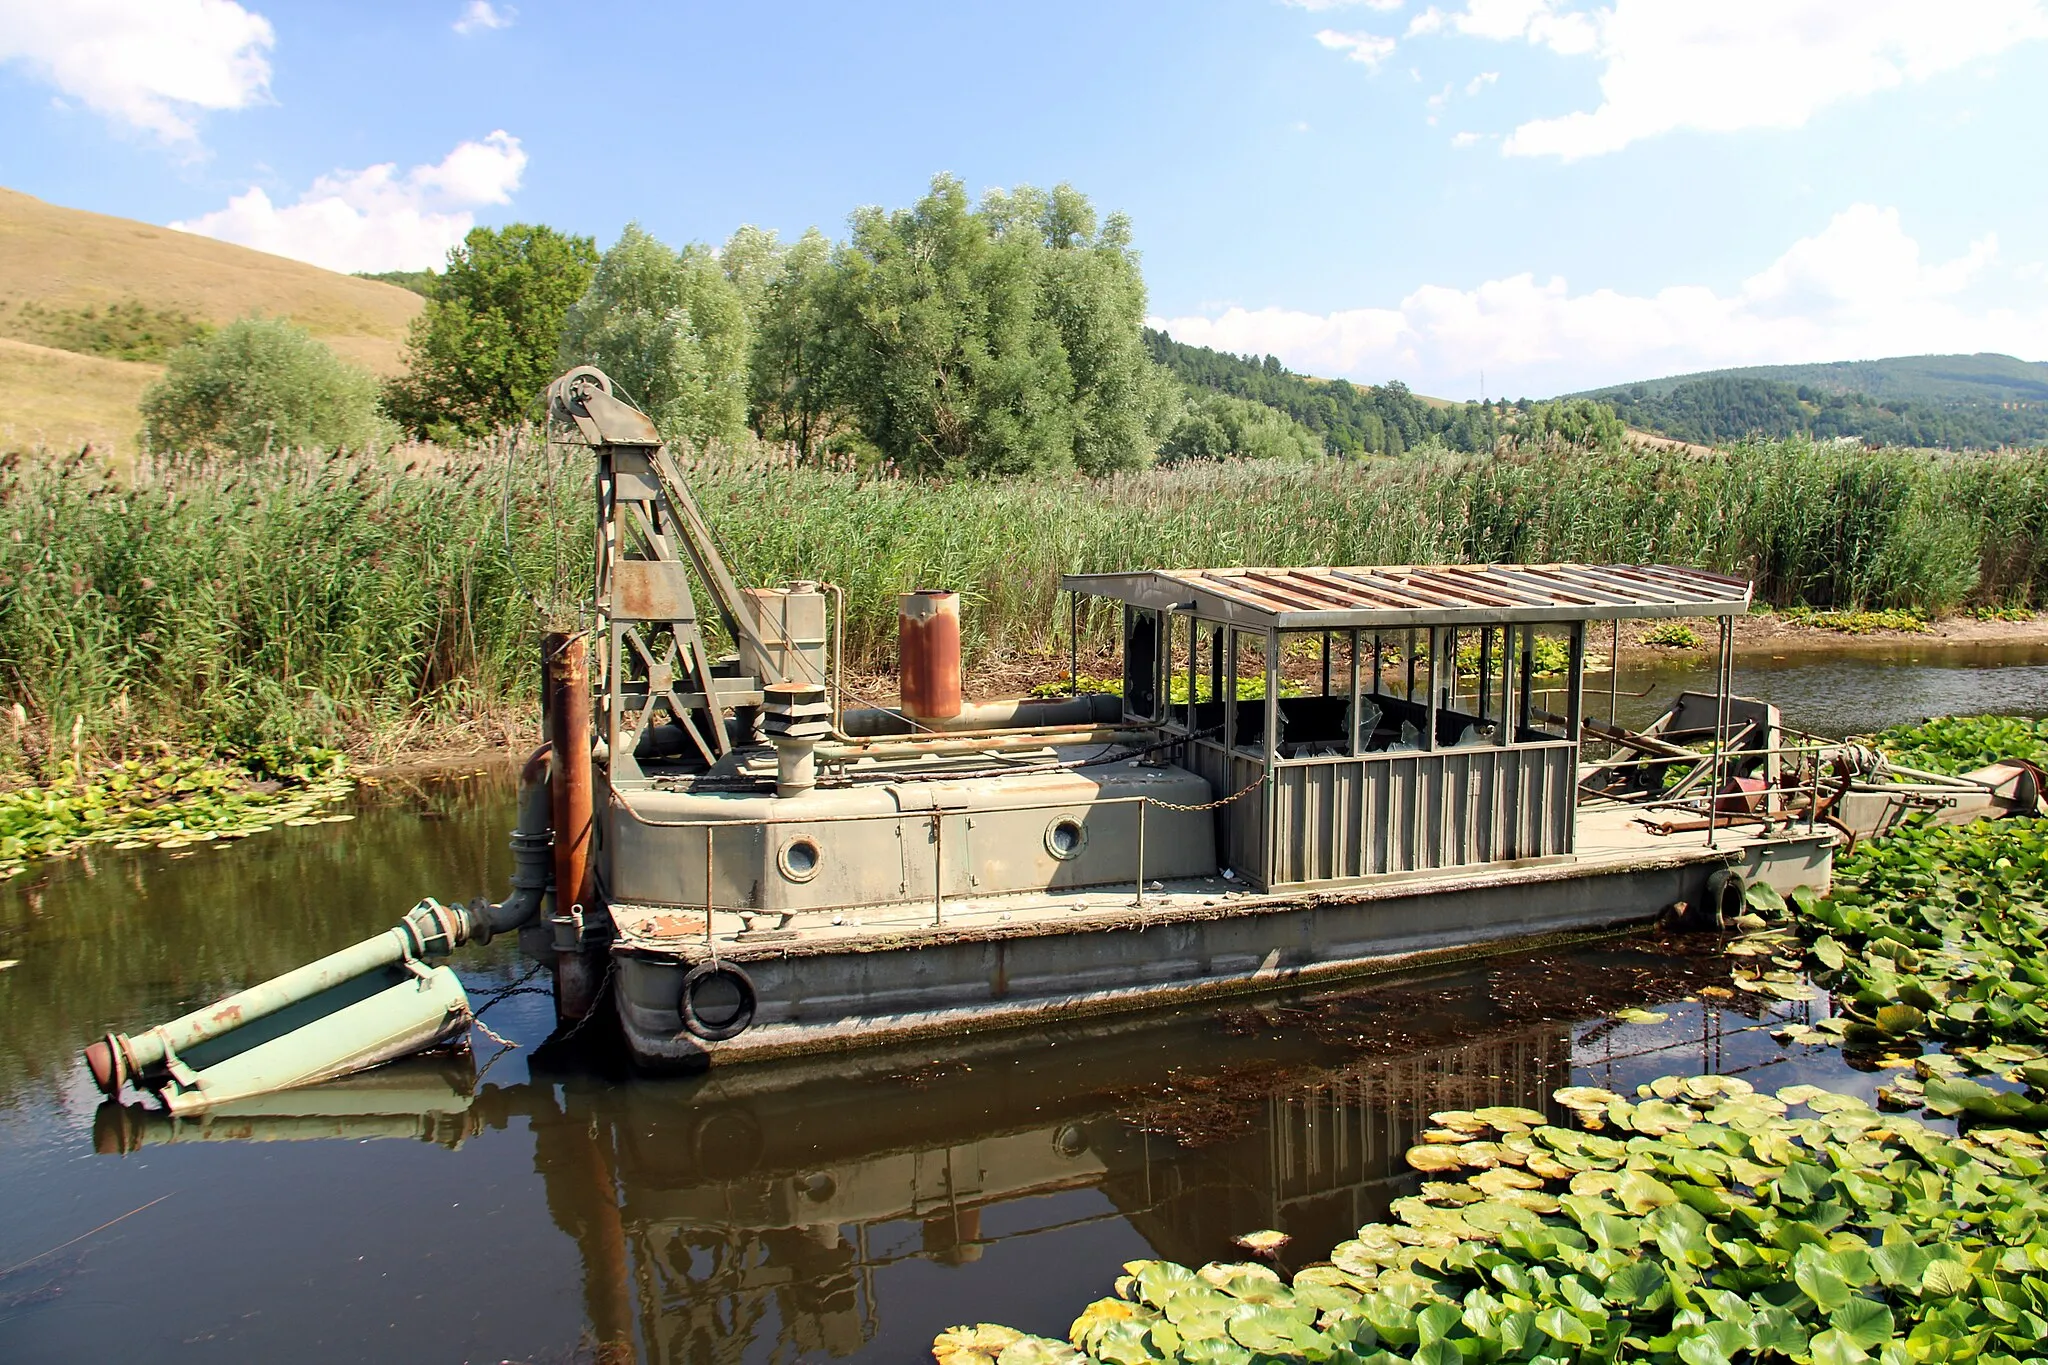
1003,339
671,330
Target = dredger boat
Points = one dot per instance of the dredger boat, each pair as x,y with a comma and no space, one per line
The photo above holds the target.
742,867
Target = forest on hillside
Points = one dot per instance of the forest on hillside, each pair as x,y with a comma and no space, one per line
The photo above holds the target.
1723,408
1349,419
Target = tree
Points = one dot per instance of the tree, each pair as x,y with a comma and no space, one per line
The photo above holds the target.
260,384
1218,426
995,341
671,329
489,341
792,395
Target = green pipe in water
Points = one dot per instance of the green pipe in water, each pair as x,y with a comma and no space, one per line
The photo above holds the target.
293,1021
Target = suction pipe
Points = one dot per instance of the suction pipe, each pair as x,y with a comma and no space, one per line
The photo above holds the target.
430,930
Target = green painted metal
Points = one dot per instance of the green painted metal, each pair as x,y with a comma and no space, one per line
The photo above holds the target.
376,1017
430,929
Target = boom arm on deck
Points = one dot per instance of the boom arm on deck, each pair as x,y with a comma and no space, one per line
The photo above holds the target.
648,526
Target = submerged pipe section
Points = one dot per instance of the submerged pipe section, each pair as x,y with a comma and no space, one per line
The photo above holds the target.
198,1060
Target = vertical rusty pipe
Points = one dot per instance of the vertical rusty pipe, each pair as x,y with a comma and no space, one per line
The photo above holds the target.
567,708
928,648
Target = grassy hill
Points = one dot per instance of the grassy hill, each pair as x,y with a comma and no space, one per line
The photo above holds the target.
66,376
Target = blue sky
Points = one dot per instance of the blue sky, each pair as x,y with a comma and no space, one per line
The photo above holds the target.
1535,195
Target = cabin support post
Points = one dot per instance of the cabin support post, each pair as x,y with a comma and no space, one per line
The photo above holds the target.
1357,744
1073,644
1723,685
1485,688
1614,674
1528,683
1272,747
1575,685
1436,638
1228,635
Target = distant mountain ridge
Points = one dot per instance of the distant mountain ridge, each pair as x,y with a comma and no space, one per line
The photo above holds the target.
1954,401
1908,378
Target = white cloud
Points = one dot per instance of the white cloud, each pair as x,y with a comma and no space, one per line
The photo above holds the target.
1726,65
1540,21
1369,48
479,16
1859,288
1464,139
1481,81
375,219
153,65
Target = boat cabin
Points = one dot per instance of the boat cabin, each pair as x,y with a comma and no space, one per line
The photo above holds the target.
1444,726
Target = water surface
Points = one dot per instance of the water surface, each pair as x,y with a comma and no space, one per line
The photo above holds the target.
541,1204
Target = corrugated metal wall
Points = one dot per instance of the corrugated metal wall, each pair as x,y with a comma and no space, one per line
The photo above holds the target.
1339,819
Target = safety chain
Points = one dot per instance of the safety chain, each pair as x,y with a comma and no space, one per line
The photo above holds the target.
611,970
487,1031
1243,791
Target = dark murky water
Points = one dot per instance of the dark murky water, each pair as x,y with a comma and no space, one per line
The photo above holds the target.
538,1205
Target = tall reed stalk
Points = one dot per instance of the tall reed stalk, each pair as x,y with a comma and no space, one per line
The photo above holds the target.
306,598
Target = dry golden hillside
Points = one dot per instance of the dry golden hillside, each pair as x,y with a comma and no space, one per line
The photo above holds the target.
66,258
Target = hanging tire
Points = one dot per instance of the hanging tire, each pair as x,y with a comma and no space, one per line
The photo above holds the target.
717,1001
1727,896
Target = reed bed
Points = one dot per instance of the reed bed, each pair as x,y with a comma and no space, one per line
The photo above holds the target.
369,602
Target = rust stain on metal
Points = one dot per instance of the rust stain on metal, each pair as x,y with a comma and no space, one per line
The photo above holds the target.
651,590
671,926
928,652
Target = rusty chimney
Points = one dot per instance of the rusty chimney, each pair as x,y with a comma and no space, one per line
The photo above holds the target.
928,653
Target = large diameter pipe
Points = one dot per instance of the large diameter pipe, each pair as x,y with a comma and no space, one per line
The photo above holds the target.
430,928
566,661
410,1016
928,654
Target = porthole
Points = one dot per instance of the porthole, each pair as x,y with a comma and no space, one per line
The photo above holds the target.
799,860
1065,838
717,1001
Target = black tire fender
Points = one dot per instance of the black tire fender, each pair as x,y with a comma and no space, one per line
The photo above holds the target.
716,1032
1727,896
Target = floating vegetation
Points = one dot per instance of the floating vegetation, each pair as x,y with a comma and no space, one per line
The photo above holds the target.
1932,934
1857,622
1958,744
170,803
1674,634
1697,1221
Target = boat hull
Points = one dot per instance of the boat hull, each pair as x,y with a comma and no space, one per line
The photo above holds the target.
1016,962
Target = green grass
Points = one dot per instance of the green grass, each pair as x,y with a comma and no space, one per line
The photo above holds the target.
354,602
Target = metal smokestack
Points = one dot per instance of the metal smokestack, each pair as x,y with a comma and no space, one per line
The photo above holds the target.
928,653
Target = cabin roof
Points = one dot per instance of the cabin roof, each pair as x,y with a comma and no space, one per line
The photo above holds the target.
1411,595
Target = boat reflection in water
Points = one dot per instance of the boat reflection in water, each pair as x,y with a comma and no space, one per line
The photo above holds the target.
751,1214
